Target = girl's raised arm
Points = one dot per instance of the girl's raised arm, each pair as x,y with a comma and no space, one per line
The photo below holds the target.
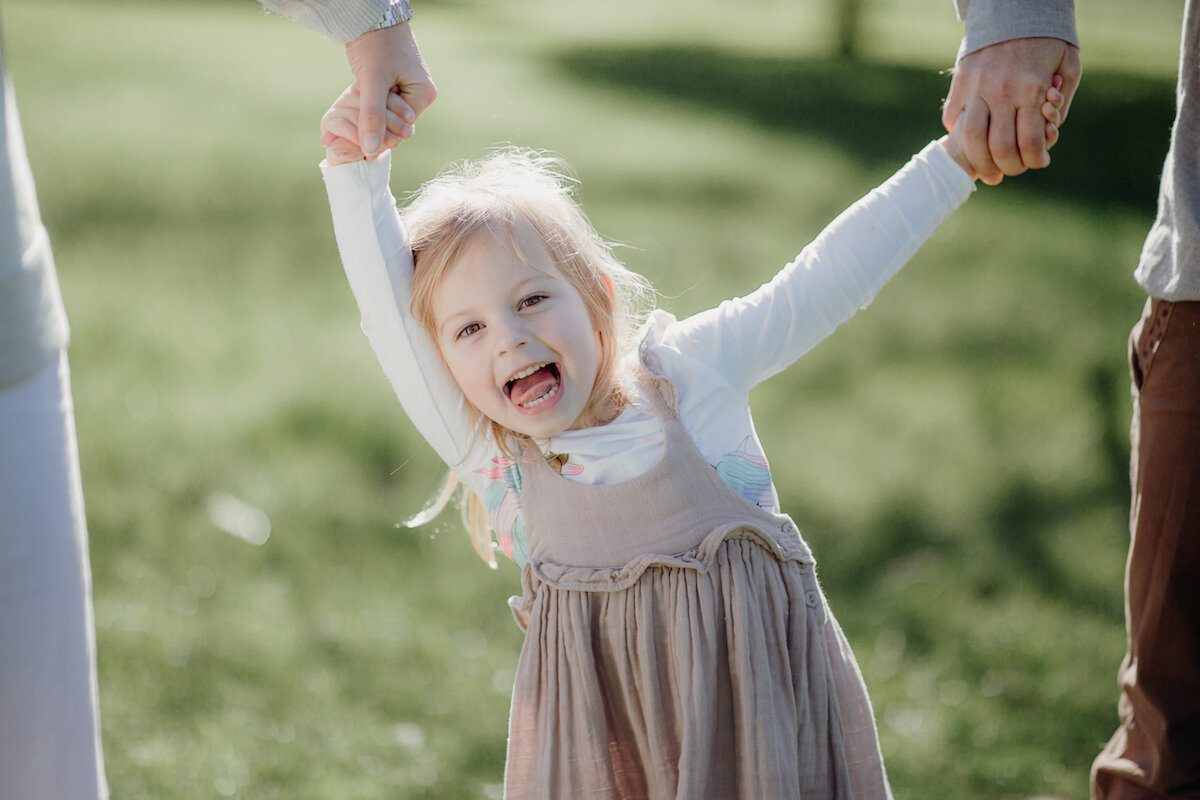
379,266
751,338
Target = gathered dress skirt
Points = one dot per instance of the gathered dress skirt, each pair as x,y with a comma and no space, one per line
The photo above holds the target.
678,645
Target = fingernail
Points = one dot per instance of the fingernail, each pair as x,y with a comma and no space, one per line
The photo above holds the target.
392,142
370,144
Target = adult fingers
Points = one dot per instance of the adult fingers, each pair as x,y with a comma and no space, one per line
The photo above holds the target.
1002,138
954,104
397,128
974,121
381,60
394,115
1072,72
373,93
1031,139
397,104
400,116
413,78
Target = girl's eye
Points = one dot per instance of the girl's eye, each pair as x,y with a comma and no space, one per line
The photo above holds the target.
469,330
532,300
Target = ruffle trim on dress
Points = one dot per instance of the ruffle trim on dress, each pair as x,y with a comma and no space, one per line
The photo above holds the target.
784,543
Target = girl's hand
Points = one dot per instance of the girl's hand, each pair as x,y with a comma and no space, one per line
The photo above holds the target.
1052,111
339,126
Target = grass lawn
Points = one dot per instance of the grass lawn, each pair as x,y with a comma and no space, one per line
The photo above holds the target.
956,455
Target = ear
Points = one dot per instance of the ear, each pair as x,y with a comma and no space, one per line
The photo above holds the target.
608,285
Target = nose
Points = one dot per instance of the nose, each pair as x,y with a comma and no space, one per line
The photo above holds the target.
513,335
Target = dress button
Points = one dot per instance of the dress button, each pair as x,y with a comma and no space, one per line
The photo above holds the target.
811,599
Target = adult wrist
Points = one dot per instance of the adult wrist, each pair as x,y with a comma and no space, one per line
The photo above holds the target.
398,12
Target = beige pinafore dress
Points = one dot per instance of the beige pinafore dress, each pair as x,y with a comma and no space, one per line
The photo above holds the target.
678,645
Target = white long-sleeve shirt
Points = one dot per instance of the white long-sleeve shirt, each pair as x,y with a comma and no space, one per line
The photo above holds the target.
714,358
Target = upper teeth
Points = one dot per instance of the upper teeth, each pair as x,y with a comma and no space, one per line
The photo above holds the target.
525,373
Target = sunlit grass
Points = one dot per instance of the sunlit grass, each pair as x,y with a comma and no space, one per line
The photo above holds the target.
955,455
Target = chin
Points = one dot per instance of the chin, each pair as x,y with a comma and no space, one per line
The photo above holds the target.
541,429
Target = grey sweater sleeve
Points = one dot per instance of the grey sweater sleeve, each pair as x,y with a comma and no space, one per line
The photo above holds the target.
993,21
342,20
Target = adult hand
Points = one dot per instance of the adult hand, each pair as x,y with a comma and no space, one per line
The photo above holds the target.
339,126
997,93
381,60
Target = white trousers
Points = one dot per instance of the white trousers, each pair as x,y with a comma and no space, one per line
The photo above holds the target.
49,724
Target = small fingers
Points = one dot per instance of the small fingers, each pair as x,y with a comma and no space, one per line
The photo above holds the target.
341,128
1051,135
1056,101
343,148
343,110
1052,113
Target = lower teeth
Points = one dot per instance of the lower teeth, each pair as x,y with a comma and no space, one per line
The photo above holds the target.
540,400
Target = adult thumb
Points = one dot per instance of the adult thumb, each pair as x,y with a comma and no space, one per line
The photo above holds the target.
371,122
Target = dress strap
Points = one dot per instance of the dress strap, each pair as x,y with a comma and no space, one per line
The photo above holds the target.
660,392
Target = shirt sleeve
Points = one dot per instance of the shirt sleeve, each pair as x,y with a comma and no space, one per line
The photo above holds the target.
342,20
992,21
751,338
379,267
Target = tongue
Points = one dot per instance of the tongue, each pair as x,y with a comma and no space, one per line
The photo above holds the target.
533,386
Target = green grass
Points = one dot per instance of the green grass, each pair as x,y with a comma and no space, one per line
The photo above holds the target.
956,455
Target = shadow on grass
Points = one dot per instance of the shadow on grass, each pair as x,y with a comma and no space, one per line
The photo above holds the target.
1111,153
1110,158
1020,517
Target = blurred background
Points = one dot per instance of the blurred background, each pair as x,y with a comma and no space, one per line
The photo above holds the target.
957,455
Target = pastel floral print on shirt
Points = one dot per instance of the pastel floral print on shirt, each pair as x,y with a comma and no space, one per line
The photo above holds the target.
502,502
749,475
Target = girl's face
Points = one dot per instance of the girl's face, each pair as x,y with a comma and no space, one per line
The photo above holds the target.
518,339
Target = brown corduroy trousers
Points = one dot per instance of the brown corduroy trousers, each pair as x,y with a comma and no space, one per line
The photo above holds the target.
1156,750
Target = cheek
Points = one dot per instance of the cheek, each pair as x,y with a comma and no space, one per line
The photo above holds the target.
467,375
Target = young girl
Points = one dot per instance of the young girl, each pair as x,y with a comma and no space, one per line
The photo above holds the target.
677,643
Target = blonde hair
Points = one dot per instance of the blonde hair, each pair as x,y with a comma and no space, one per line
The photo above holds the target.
508,188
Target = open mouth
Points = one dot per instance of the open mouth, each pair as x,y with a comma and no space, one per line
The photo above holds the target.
534,385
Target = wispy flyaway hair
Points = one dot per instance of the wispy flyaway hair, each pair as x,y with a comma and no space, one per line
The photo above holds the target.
508,188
